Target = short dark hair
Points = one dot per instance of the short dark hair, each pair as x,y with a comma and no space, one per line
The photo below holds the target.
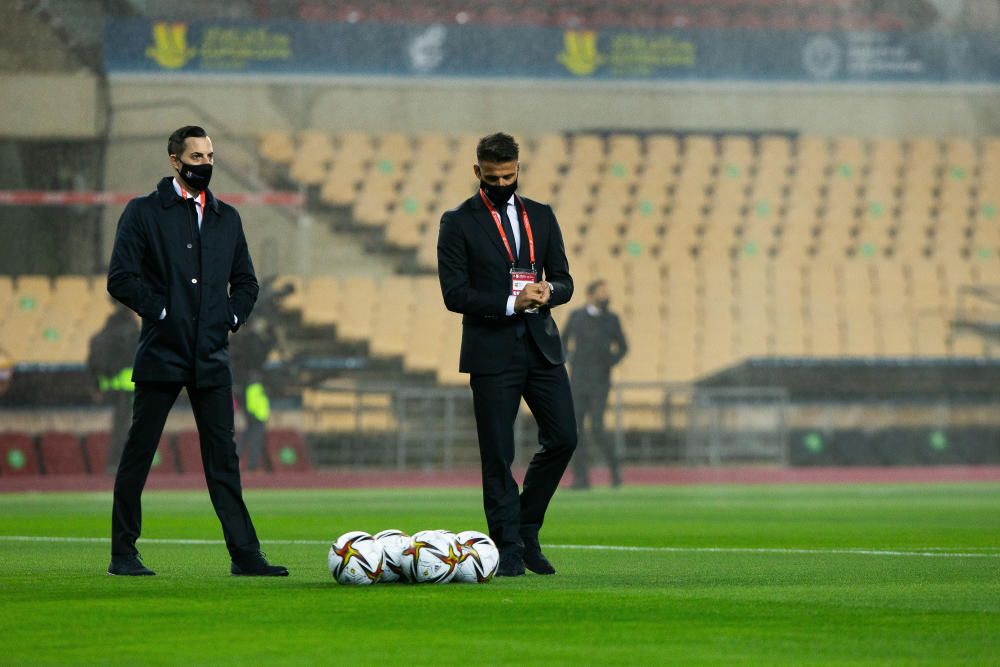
175,144
497,147
594,286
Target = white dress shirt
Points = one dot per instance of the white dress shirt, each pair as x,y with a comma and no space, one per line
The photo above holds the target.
184,194
515,227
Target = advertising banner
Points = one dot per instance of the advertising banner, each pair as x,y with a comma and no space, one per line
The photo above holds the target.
278,48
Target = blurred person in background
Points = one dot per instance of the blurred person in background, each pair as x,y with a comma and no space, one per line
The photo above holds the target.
595,343
181,261
250,351
109,360
493,251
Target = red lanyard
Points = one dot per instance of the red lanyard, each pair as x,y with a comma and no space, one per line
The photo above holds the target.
503,235
201,198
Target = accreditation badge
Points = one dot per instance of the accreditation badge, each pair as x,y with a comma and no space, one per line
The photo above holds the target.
519,279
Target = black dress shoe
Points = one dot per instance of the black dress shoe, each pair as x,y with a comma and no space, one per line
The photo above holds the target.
128,566
511,564
255,565
535,560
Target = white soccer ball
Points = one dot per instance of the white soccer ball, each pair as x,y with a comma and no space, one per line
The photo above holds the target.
356,558
433,557
479,560
393,542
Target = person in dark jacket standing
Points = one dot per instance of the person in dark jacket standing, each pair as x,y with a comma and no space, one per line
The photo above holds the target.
112,350
250,351
181,262
502,264
596,343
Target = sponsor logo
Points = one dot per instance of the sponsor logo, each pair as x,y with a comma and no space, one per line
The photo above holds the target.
822,57
427,49
580,55
170,49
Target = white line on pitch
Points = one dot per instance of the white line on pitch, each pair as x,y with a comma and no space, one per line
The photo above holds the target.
932,552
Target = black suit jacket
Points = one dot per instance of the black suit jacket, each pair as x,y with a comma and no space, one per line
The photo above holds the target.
161,260
474,271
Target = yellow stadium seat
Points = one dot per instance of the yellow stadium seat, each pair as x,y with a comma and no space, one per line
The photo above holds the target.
277,147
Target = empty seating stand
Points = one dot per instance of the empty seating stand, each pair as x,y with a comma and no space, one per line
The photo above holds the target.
62,454
812,15
741,245
189,452
286,450
17,455
96,447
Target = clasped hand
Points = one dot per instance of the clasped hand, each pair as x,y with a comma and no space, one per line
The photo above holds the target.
533,295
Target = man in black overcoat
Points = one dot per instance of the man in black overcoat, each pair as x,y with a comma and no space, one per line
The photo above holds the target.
180,261
502,265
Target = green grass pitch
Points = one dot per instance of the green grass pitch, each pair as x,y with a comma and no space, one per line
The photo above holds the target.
904,574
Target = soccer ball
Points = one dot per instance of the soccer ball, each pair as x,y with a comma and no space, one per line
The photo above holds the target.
393,542
433,557
479,560
356,558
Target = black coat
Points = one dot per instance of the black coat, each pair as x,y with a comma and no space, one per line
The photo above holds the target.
474,271
596,343
161,260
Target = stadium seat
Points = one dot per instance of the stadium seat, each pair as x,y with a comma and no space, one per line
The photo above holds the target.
6,295
321,295
188,452
165,459
32,293
61,454
287,451
96,447
17,455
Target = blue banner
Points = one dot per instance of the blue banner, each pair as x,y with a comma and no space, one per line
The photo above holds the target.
140,46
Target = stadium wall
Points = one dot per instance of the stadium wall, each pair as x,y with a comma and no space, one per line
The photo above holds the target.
49,106
532,107
142,106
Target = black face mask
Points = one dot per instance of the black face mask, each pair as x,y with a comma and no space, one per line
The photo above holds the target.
196,175
603,304
498,194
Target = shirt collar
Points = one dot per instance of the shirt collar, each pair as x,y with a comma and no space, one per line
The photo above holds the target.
593,310
183,194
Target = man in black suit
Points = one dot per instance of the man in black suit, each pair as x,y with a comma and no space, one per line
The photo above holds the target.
181,262
504,279
596,343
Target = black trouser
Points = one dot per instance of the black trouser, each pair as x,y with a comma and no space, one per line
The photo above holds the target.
591,401
121,420
213,413
514,516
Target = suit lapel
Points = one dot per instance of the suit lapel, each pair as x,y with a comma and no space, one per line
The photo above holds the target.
485,220
524,254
